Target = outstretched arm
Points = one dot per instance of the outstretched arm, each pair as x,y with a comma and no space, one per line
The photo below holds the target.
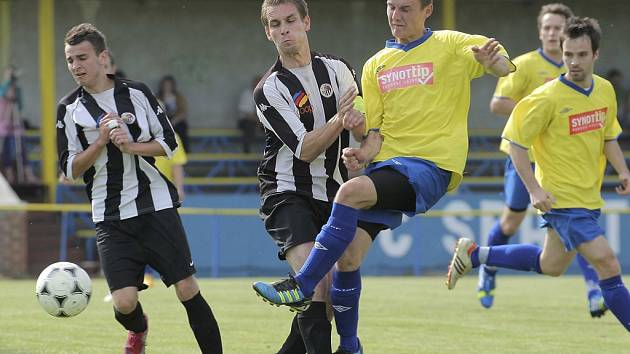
541,199
488,56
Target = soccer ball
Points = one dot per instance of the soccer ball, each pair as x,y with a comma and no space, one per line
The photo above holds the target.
63,289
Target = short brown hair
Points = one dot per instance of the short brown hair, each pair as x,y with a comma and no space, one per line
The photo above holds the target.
556,9
301,6
425,3
87,32
577,27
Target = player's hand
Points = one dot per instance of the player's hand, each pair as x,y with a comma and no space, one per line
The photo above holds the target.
487,55
354,159
120,137
346,102
353,119
624,186
104,127
542,200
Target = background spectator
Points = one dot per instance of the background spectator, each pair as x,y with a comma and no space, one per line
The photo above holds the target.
247,119
175,106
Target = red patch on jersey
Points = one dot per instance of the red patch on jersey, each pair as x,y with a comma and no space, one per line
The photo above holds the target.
405,76
587,121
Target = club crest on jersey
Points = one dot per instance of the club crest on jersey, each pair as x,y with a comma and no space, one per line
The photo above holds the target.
128,117
587,121
326,90
301,102
405,76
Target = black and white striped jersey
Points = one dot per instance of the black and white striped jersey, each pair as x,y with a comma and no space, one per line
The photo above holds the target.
119,185
290,103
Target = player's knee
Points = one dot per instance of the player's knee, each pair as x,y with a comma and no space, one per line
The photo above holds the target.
186,288
348,262
352,193
509,227
125,304
606,265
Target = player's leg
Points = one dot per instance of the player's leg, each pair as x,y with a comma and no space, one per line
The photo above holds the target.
330,243
616,295
292,221
596,305
164,241
516,204
313,323
122,262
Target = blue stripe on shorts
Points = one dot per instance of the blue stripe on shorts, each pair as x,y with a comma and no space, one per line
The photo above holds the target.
428,181
574,225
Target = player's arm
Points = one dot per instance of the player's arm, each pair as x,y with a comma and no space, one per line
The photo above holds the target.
357,158
318,140
354,120
488,55
541,199
502,106
277,115
74,158
163,143
617,160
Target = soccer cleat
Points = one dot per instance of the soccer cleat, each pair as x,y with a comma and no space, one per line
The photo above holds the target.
148,280
596,305
485,288
108,297
137,341
284,292
343,351
461,262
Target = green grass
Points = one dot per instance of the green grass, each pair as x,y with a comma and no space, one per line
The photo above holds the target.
398,315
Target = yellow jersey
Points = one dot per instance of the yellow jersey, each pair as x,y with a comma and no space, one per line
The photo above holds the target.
534,69
567,126
418,96
165,166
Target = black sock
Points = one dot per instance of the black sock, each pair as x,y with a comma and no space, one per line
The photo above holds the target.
315,329
203,325
294,344
133,321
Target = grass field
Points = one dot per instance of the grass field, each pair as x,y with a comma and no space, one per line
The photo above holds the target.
398,315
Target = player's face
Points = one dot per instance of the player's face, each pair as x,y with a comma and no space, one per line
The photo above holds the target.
406,19
579,58
84,64
551,26
286,29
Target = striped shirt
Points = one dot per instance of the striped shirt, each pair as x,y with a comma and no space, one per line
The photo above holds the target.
119,185
291,103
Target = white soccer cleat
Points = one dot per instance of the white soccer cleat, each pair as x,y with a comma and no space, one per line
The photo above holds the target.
461,262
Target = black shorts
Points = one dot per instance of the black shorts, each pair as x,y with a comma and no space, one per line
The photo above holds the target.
157,239
292,219
394,192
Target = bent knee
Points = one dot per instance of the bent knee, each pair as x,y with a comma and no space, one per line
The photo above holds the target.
186,288
356,193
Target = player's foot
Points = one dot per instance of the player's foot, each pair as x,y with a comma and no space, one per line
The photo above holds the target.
283,292
485,288
343,351
461,262
137,341
148,280
108,297
596,304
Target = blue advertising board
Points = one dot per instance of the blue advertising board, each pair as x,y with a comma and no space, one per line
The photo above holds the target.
225,245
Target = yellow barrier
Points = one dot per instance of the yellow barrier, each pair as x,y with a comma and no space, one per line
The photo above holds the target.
46,207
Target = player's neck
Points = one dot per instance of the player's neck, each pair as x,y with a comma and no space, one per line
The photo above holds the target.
585,83
296,60
553,54
102,84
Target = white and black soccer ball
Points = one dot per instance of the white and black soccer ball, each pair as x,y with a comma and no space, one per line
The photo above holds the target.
63,289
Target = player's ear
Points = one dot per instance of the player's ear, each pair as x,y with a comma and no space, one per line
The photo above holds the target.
267,33
103,57
428,10
307,23
596,55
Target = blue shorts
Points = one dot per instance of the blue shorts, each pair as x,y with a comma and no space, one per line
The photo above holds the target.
514,191
574,225
428,181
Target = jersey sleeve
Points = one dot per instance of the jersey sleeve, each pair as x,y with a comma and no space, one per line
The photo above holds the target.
348,78
612,126
372,99
276,114
528,120
463,48
159,124
68,143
